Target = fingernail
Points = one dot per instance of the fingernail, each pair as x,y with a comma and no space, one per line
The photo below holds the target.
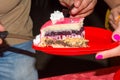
99,57
116,37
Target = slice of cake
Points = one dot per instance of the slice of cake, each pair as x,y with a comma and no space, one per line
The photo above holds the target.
62,32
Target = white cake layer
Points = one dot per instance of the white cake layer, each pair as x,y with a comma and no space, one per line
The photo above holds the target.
62,27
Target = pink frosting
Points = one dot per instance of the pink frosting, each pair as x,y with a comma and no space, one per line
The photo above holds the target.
65,21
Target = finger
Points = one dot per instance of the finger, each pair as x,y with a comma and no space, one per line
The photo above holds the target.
111,18
66,3
113,24
116,34
89,7
112,21
1,28
82,15
77,3
108,53
1,41
82,6
115,15
117,20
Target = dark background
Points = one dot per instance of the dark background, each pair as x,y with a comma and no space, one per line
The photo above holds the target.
51,65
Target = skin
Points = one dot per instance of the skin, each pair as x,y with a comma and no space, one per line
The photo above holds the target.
114,20
82,8
112,3
1,29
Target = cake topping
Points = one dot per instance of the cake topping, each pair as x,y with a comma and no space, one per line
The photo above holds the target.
36,41
57,16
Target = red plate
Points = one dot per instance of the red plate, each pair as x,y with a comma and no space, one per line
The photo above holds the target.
117,75
99,39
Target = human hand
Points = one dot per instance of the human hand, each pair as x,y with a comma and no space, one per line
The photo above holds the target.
115,22
112,52
82,8
1,29
114,17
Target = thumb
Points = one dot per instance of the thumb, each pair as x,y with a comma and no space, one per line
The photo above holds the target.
108,53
